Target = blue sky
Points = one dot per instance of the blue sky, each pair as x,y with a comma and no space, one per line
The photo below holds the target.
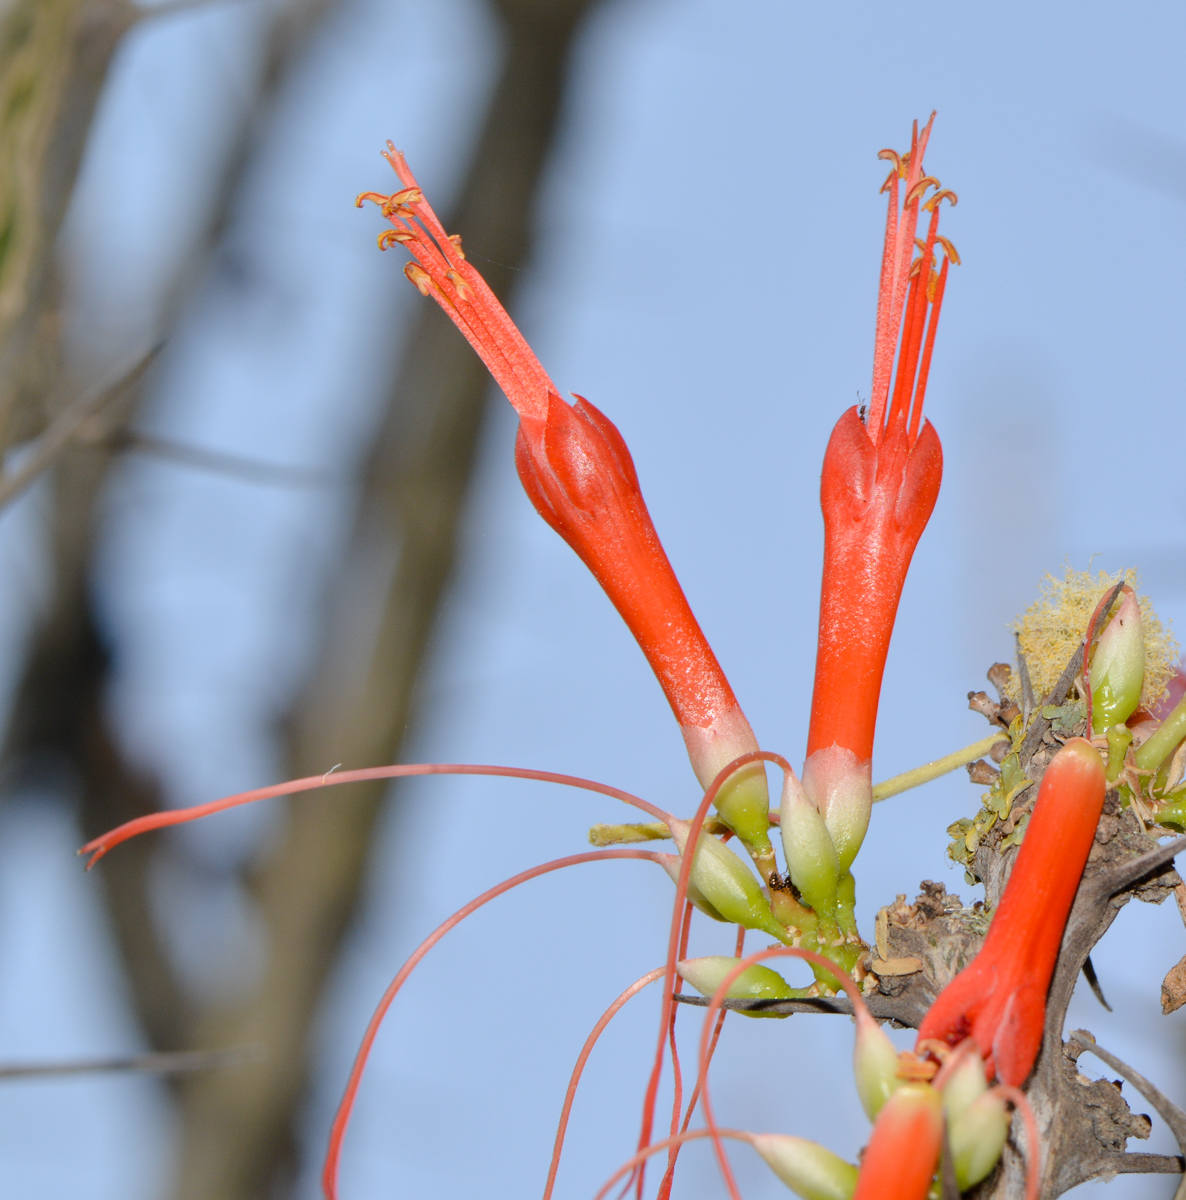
706,274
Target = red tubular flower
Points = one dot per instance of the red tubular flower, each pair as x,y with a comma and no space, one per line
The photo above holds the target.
878,488
903,1151
881,476
578,473
1000,997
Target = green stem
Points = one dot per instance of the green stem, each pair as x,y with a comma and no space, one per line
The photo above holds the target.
941,766
1156,749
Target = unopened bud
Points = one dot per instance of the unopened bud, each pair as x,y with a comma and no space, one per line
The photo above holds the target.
903,1151
743,800
807,1168
811,855
727,883
1118,666
841,787
671,864
756,982
875,1065
965,1083
977,1138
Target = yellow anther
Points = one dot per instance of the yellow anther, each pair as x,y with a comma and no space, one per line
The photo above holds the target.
946,194
894,157
919,189
412,195
393,237
455,238
463,288
420,277
375,198
932,283
951,251
914,267
915,1069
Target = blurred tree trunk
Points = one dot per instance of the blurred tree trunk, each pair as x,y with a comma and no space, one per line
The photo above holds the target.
237,1139
54,56
239,1126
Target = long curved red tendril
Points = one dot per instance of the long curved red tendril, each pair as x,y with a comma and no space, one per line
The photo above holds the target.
687,856
631,1166
578,1069
329,1176
853,992
673,1153
178,816
1033,1147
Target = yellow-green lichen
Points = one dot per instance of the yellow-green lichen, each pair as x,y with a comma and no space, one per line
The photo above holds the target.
1053,626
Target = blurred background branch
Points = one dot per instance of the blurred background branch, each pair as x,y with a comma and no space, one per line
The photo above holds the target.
237,1129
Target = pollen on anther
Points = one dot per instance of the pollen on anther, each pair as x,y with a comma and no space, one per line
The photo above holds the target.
420,277
392,237
412,195
951,251
894,157
919,189
463,288
455,238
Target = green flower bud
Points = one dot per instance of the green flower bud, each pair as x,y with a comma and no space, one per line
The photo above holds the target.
807,1168
965,1084
744,802
754,983
875,1064
671,864
977,1138
1118,666
727,883
841,787
810,852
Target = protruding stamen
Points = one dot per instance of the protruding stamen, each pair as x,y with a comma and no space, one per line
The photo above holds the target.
919,190
463,288
894,157
420,277
455,238
948,249
393,237
946,194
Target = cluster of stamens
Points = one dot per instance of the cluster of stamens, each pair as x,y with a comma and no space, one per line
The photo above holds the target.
911,292
439,271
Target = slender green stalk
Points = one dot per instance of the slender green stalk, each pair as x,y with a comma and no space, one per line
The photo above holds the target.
1154,751
941,766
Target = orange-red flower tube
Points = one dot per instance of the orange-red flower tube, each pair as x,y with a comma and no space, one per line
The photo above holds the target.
881,475
1000,997
578,473
903,1151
